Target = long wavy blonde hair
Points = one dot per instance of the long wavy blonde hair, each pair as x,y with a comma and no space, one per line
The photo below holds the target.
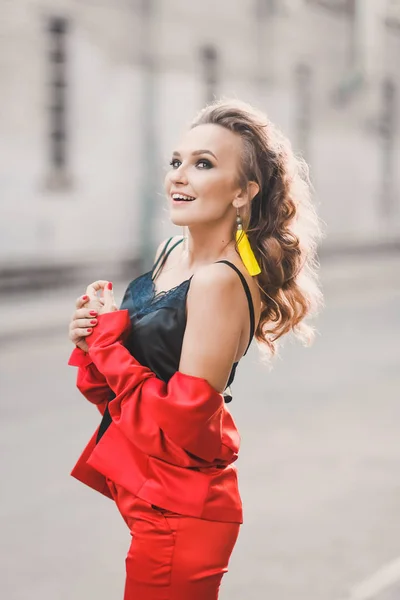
282,223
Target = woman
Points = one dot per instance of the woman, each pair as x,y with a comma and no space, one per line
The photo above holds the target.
159,369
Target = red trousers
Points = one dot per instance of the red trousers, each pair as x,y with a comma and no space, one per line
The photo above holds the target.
172,557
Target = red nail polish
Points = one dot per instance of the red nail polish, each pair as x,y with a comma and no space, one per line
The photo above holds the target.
89,330
93,322
85,297
109,285
93,312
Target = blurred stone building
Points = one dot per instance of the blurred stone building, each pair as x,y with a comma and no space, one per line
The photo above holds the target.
95,93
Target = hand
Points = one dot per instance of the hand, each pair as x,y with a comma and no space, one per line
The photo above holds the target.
82,322
104,304
88,308
95,294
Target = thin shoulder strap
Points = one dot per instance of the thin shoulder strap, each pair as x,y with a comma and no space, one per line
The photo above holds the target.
161,254
164,256
249,298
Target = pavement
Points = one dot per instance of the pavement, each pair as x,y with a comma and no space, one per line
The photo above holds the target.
318,466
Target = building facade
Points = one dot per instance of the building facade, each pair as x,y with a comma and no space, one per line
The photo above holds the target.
95,94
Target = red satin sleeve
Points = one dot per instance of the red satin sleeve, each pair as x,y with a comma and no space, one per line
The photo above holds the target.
89,381
187,409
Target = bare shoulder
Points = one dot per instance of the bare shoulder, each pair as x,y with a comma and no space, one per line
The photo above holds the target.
162,244
217,283
221,276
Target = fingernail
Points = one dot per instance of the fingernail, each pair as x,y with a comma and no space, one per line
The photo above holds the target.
93,322
85,297
89,330
109,285
93,312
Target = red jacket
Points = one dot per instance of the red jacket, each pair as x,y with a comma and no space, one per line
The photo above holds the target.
171,444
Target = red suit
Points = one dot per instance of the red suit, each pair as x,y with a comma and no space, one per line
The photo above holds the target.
166,458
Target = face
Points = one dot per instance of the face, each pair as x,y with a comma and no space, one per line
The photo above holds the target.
205,169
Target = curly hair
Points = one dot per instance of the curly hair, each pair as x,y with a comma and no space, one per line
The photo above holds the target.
282,224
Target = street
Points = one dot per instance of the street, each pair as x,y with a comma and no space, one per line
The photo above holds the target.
318,471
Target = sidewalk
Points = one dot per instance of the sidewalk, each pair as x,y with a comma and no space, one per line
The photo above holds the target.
47,312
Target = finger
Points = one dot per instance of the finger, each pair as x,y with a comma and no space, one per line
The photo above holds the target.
95,287
81,323
81,301
81,332
84,313
108,295
78,328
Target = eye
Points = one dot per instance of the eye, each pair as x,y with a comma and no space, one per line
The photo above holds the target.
175,163
206,164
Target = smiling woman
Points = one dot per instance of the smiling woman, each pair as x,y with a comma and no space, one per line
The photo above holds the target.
160,368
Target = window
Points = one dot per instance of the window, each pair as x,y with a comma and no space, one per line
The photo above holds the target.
57,106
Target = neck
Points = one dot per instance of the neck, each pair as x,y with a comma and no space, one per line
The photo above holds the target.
206,244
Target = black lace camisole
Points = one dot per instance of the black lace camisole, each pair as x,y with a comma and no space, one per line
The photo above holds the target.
159,321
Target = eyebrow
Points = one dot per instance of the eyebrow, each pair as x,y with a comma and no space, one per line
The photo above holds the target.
197,152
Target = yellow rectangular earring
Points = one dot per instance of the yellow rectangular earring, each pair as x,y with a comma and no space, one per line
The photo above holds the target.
244,248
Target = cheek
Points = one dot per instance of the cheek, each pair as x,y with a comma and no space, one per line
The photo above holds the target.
211,185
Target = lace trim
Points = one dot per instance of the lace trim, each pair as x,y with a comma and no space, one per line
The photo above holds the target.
145,299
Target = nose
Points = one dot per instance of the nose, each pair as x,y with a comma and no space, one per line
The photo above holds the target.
178,176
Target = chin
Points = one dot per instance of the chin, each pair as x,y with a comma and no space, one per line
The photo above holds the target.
180,220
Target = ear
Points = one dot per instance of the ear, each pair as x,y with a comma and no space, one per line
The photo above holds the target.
252,189
247,195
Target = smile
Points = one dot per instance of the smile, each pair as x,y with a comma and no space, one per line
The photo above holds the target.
182,198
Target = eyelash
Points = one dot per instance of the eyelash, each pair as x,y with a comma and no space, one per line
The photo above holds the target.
202,160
